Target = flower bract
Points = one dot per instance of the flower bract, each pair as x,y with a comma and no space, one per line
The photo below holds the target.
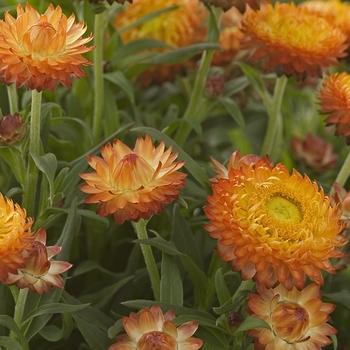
272,225
133,183
297,318
39,51
151,330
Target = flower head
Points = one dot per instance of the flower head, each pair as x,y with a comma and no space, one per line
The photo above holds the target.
15,236
297,318
133,184
293,38
12,129
39,51
151,330
334,98
41,272
341,198
273,225
314,152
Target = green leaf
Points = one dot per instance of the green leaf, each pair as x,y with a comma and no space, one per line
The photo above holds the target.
171,290
53,333
236,85
94,336
342,298
198,277
252,322
14,158
190,164
335,341
119,79
9,343
222,290
9,323
233,110
48,165
116,329
55,308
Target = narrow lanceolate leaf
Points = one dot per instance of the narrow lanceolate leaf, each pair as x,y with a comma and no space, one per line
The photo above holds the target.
252,322
171,290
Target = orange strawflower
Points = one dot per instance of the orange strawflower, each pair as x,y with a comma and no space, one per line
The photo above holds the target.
151,330
133,184
297,318
272,225
334,97
292,38
39,51
335,11
41,272
341,197
15,236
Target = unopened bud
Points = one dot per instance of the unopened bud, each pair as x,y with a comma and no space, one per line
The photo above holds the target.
215,85
12,129
235,319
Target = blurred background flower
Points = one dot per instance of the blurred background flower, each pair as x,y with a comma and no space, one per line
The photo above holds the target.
12,129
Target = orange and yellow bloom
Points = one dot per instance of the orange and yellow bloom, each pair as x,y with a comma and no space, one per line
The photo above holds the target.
39,51
41,272
297,318
334,98
15,237
133,183
151,330
272,225
292,38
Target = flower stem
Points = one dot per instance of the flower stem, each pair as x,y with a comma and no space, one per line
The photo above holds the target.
20,298
98,75
141,231
13,98
275,123
344,172
29,190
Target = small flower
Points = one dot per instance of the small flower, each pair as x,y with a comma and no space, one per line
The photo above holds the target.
15,236
151,330
293,38
41,272
215,85
334,98
273,225
39,51
235,319
314,152
133,184
12,129
297,318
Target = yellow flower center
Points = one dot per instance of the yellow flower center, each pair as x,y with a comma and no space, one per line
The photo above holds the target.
284,210
156,341
290,321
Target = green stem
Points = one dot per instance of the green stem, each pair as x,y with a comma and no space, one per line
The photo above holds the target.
13,98
191,112
141,231
344,172
275,122
98,75
29,190
20,300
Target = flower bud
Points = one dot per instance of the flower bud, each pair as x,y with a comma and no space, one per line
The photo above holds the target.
12,129
215,85
235,319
